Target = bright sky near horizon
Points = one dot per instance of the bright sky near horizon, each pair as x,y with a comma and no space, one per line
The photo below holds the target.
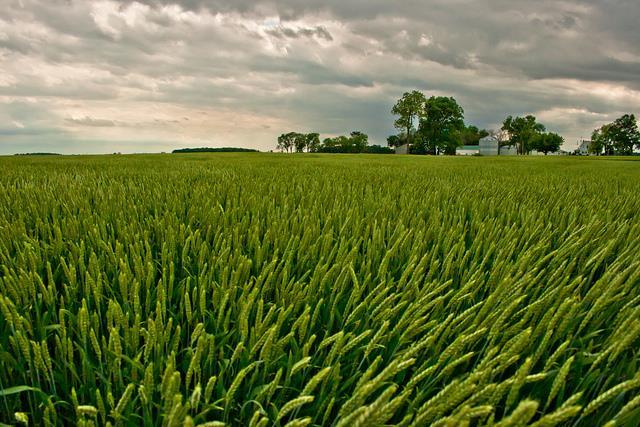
100,76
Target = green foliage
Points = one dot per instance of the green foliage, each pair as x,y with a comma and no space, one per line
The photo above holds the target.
397,140
409,109
619,137
312,142
215,150
548,142
356,142
378,149
523,132
320,290
291,141
299,142
440,126
37,154
471,135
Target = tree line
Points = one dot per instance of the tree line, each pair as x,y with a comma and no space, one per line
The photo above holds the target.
436,125
616,138
355,142
214,150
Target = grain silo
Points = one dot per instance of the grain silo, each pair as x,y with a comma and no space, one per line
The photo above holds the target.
489,146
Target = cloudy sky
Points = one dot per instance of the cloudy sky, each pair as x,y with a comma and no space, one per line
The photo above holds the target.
95,76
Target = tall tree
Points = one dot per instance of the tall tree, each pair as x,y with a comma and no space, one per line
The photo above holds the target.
547,142
440,125
356,142
502,136
338,144
471,135
397,140
286,141
312,141
359,141
522,132
409,108
299,142
602,141
618,137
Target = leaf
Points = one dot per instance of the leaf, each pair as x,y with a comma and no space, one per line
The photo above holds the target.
18,389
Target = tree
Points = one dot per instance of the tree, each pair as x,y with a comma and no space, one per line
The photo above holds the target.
625,134
359,141
502,136
329,143
471,135
356,142
522,132
547,142
286,141
345,144
440,126
312,141
397,140
339,144
601,142
377,149
300,142
618,137
409,109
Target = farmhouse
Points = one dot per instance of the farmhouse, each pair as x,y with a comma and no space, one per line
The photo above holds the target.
583,148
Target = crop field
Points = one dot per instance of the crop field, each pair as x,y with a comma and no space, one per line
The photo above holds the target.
321,290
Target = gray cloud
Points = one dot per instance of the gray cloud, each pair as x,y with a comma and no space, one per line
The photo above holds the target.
319,31
138,74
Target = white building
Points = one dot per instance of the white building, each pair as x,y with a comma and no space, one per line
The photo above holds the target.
583,148
489,146
468,150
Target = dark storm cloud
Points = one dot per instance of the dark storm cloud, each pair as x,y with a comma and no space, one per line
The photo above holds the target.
94,70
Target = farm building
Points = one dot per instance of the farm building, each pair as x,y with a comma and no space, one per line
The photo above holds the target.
583,148
468,150
488,146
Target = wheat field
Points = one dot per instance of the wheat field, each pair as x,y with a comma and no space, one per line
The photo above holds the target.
320,290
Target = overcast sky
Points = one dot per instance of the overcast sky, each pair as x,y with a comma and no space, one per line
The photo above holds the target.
104,76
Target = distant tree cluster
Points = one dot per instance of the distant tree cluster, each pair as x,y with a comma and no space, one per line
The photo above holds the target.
619,137
432,125
356,142
299,142
379,149
471,135
214,150
37,154
436,125
528,135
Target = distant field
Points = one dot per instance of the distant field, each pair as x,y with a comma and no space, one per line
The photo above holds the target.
270,289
